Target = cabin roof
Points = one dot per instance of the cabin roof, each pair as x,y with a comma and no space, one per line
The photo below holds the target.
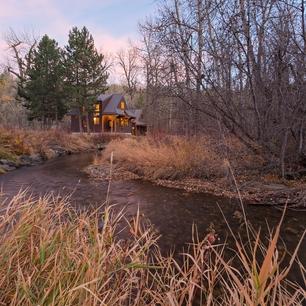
110,104
137,115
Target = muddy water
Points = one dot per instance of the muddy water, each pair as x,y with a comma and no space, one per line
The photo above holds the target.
172,212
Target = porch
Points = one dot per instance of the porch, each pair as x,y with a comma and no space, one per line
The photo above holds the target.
112,124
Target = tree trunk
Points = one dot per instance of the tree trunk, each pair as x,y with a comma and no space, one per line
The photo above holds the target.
80,122
301,138
283,153
87,123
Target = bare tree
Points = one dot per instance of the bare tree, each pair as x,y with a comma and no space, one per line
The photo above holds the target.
21,47
128,61
238,62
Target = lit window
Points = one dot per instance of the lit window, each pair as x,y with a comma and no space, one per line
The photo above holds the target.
97,108
96,120
122,105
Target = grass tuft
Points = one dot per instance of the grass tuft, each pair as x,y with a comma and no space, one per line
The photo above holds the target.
53,255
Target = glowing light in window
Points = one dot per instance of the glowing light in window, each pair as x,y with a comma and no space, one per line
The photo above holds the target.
96,120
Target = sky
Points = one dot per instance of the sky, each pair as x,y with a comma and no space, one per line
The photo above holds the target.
111,22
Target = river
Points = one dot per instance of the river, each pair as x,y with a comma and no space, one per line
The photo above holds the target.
172,212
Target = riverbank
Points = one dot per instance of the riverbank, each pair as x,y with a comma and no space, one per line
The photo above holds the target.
202,166
22,147
53,255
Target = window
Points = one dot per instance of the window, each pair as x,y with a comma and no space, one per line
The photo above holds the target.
122,105
97,108
123,122
96,120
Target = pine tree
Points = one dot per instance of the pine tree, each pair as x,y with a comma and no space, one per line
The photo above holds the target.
86,73
44,87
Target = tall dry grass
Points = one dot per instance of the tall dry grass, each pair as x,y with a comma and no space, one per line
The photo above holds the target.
16,142
178,157
52,255
169,158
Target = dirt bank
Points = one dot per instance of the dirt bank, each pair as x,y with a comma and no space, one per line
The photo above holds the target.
255,190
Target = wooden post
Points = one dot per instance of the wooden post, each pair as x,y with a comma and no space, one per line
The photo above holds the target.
102,124
115,122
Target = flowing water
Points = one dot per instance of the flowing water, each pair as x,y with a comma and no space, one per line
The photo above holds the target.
172,212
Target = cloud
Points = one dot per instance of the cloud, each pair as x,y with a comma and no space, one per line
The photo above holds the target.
56,18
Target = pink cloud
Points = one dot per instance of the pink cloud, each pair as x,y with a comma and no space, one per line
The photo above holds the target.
53,22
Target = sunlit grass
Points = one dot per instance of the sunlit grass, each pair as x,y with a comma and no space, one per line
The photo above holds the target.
53,255
178,157
173,158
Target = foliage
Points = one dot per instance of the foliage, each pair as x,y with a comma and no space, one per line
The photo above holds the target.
44,90
53,255
86,72
51,80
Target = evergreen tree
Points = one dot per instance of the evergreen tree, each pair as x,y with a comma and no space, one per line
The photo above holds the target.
44,87
86,72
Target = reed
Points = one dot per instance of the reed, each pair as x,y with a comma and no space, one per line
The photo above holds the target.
17,142
171,158
52,254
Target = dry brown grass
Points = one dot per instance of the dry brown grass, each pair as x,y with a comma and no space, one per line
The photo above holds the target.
51,255
16,142
169,158
177,157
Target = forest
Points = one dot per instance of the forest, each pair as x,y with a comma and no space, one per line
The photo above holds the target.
206,207
225,68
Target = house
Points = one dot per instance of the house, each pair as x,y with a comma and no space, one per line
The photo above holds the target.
111,115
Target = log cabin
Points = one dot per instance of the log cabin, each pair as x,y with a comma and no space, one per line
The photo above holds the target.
111,114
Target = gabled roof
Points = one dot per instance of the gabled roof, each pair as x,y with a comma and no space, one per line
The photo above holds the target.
137,115
110,104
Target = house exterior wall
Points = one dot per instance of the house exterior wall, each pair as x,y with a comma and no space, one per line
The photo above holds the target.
107,120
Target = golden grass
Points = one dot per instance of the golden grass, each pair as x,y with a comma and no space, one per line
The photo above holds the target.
16,142
52,255
170,158
177,157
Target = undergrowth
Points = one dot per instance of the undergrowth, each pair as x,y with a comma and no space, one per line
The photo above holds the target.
175,157
17,142
53,255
